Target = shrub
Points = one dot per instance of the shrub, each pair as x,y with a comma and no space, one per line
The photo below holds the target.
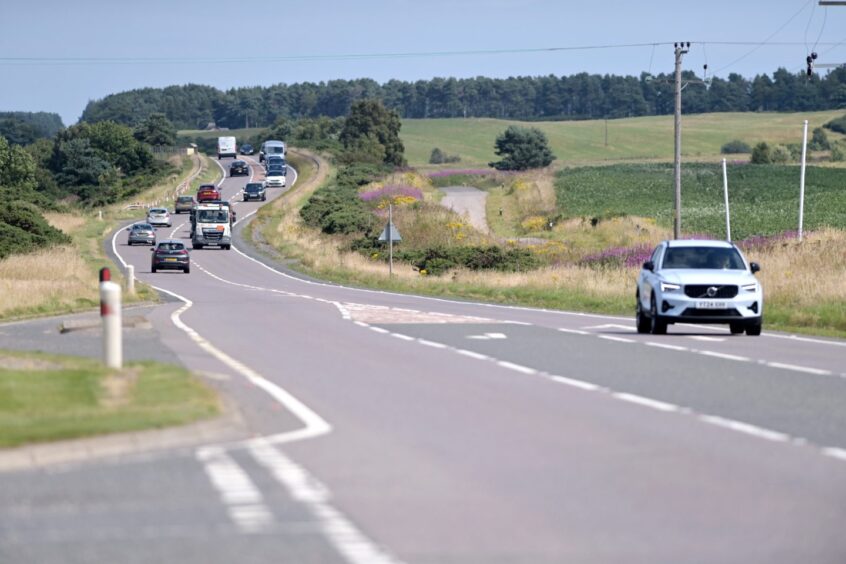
734,147
437,156
23,230
819,140
761,154
780,155
838,125
437,260
837,153
522,148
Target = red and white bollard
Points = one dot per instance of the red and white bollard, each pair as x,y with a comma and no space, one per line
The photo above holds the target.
110,312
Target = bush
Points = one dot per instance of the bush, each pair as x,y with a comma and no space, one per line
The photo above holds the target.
837,153
761,154
437,260
522,148
838,125
819,140
23,230
437,156
780,155
734,147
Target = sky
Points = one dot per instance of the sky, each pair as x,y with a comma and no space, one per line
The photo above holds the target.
54,55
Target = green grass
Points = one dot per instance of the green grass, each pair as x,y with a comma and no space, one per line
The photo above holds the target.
49,398
583,142
237,133
764,199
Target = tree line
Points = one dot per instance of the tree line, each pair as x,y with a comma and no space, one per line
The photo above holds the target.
580,96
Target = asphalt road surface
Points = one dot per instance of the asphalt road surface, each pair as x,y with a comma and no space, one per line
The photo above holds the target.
394,428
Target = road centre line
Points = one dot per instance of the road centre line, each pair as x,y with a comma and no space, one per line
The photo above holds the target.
747,428
665,346
805,369
648,402
573,331
472,354
726,356
618,339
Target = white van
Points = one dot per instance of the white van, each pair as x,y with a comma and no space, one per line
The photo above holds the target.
226,147
271,148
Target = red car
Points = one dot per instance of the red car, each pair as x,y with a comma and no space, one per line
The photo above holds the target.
208,192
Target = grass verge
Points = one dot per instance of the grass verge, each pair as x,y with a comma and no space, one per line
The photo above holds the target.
49,398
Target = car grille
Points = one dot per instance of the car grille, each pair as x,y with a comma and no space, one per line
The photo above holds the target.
213,235
693,312
701,291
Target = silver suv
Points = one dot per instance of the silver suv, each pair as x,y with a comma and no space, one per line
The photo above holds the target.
699,281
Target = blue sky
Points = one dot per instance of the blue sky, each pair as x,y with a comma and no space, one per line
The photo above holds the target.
181,39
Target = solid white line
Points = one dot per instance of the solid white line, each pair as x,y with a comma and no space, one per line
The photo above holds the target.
517,367
361,323
647,402
805,369
746,428
618,339
576,383
472,354
574,331
726,356
353,545
665,346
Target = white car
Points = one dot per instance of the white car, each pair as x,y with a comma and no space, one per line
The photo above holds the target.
699,281
275,178
159,216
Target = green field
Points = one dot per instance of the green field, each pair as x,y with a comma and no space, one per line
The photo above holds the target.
239,134
764,199
583,142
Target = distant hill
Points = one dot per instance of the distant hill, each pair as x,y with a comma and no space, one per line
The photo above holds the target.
545,98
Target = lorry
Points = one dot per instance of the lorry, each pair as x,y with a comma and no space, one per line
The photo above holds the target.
271,148
226,147
212,226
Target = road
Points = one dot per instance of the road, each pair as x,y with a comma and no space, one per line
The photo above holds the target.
392,428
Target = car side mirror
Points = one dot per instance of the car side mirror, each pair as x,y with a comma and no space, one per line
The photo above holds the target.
754,267
649,265
152,249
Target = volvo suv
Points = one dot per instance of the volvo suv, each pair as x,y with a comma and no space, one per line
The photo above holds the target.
699,281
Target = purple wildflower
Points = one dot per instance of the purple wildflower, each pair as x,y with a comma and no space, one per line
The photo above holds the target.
391,192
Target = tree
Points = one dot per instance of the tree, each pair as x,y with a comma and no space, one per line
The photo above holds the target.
369,121
522,148
819,140
156,130
437,156
761,154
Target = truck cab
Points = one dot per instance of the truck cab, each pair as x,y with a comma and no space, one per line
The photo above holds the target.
212,226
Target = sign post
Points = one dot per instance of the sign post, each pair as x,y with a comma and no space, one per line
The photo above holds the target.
390,234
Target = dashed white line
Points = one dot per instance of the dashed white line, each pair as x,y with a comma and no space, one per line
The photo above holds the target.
378,329
516,367
746,428
805,369
838,453
576,383
647,402
726,356
402,337
617,339
573,331
244,501
665,346
432,344
472,354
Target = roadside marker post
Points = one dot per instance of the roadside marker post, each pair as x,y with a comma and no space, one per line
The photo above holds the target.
802,178
130,279
110,312
726,197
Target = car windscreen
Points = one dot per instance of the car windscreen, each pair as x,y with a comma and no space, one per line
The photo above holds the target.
142,227
274,150
275,171
702,258
213,216
239,163
184,199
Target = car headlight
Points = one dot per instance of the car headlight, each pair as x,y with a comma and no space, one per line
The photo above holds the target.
669,287
750,287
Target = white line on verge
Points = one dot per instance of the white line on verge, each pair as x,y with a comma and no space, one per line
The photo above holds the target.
747,428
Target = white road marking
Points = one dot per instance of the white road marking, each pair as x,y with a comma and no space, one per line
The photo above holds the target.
432,344
244,501
472,354
747,428
726,356
488,336
378,329
703,338
665,346
402,337
353,545
611,326
838,453
617,339
574,331
648,402
576,383
805,369
516,367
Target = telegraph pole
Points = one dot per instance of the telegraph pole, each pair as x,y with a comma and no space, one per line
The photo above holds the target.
680,49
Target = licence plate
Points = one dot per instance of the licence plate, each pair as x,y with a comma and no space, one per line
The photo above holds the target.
711,304
170,260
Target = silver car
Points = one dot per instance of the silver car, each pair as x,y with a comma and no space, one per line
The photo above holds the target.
159,216
143,233
699,281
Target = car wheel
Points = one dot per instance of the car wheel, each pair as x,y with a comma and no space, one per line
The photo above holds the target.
197,245
129,243
656,325
264,198
754,330
153,269
186,270
226,247
641,320
736,328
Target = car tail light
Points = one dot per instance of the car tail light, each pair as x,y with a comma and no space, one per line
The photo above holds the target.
183,252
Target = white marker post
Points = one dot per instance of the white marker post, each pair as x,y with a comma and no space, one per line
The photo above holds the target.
390,240
110,312
802,179
130,279
726,196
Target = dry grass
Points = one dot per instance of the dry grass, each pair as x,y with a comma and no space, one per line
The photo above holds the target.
70,223
55,278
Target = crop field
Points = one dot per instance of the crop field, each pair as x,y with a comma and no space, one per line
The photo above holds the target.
237,133
583,142
764,199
